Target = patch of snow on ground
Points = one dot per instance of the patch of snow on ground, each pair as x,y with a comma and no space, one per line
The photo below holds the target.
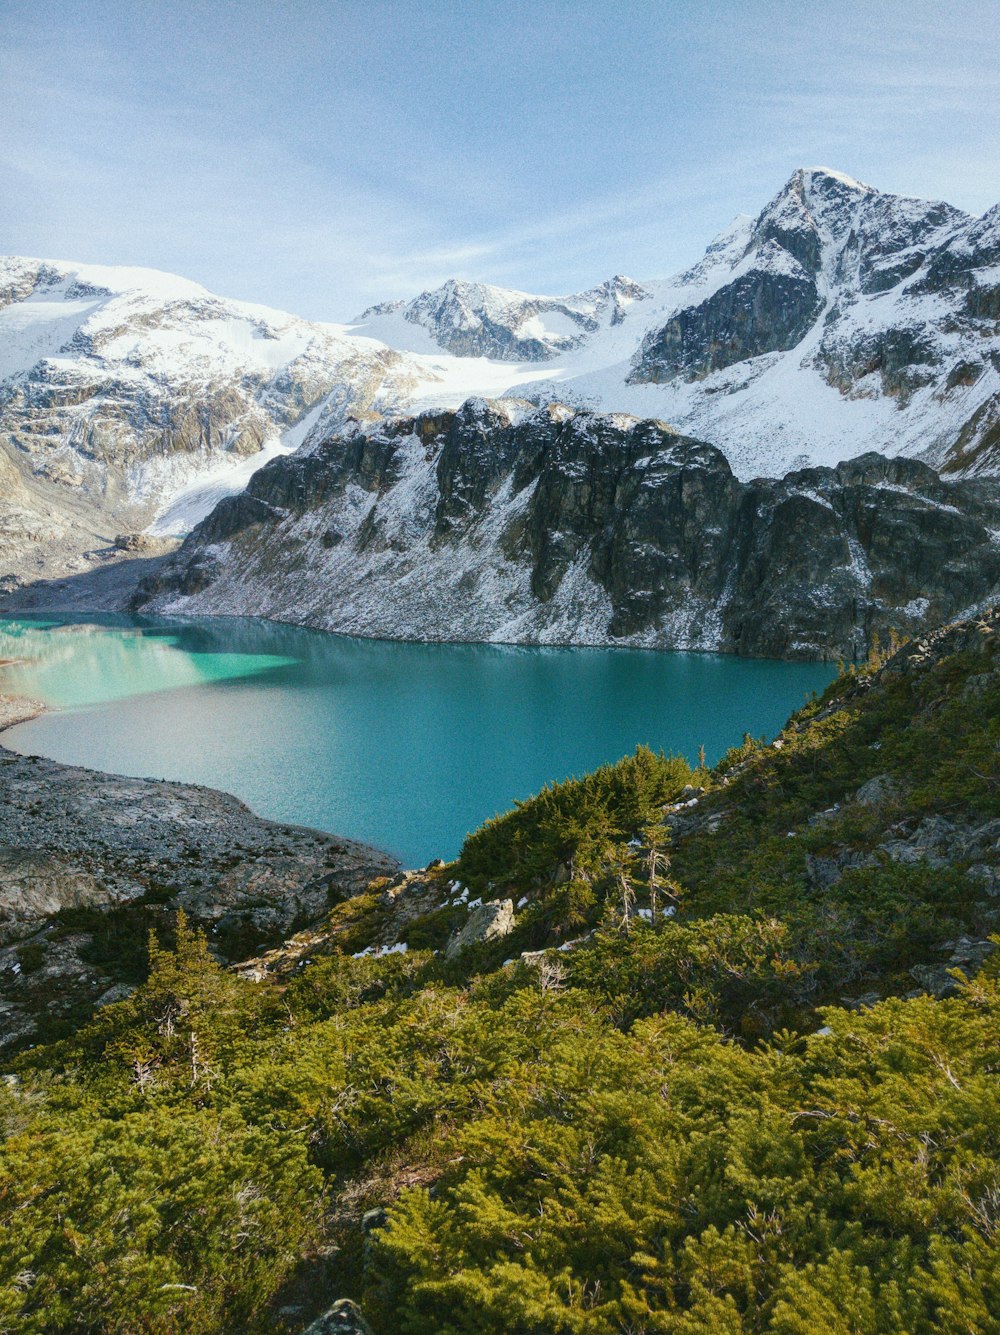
188,502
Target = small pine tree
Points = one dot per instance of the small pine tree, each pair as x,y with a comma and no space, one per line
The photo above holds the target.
656,840
183,1017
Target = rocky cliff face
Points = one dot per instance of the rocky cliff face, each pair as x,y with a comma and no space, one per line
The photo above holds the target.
502,522
769,307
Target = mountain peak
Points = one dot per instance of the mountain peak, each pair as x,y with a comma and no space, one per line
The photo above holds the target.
811,191
826,178
816,206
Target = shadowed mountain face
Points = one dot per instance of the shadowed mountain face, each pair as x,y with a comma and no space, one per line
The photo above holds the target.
768,308
503,522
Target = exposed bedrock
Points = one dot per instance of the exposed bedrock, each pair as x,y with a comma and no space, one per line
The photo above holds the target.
768,309
506,523
90,861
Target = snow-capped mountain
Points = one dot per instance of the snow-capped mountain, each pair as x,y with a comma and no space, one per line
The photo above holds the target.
129,396
838,320
479,320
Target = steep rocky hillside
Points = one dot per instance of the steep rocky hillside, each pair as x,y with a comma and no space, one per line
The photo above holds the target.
872,820
500,522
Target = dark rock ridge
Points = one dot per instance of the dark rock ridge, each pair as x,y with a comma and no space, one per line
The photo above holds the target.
768,308
506,523
88,858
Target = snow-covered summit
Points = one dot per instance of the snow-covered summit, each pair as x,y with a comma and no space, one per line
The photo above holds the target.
840,318
21,276
481,320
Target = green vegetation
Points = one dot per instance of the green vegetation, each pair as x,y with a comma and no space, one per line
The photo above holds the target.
576,824
685,1124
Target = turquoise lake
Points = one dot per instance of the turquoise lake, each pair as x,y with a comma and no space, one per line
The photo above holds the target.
406,746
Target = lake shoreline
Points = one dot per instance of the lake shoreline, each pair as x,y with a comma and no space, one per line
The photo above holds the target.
404,746
80,847
43,608
15,709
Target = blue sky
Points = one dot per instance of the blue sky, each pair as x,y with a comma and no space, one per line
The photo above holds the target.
321,156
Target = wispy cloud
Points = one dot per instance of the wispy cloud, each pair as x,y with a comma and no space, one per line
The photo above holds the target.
327,157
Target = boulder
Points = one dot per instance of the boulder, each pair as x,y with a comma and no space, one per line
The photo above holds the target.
934,979
967,954
34,885
343,1318
486,922
826,872
935,841
877,791
987,877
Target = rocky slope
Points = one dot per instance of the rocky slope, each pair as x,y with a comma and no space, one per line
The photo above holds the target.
90,861
128,396
503,522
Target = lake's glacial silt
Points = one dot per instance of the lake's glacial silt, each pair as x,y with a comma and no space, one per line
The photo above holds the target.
406,746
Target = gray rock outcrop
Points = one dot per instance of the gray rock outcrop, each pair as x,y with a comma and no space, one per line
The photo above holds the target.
506,523
343,1318
76,845
877,791
487,922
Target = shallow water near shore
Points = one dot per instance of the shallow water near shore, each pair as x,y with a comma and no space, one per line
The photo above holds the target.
405,746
